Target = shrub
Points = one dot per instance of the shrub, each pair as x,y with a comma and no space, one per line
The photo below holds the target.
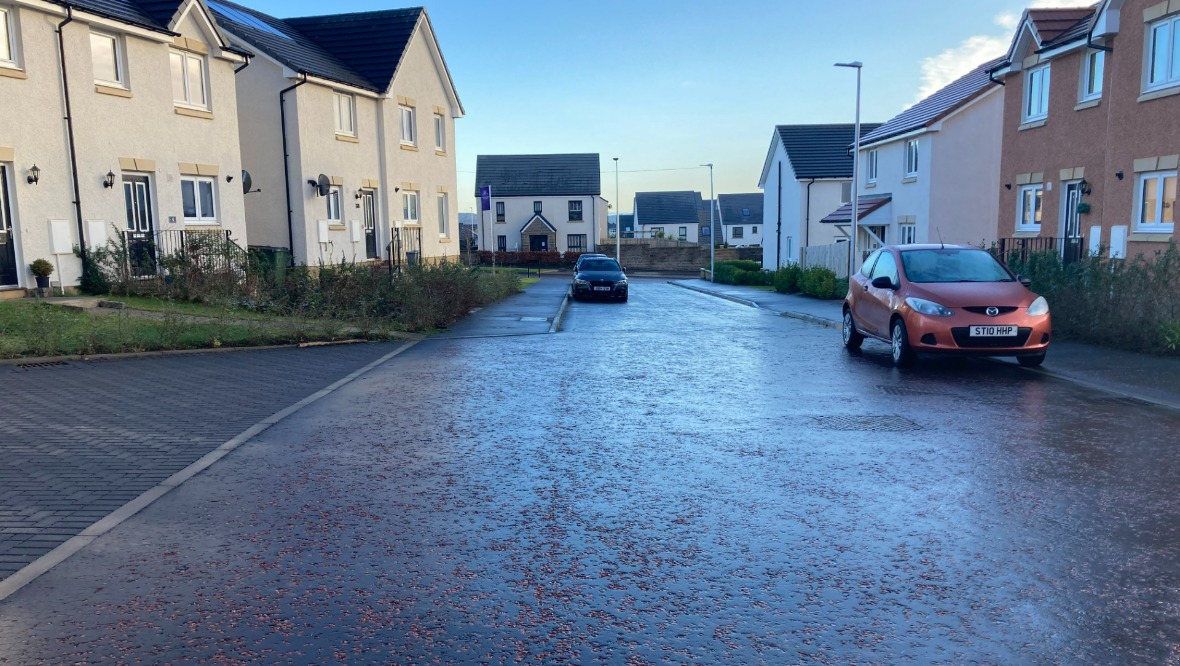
748,273
786,279
821,282
41,268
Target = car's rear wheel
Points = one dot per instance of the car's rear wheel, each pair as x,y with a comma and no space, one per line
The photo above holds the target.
1030,361
852,339
899,344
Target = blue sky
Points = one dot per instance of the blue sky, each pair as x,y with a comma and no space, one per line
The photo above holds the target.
670,84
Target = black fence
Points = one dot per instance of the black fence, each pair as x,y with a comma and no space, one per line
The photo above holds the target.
405,249
1070,249
212,251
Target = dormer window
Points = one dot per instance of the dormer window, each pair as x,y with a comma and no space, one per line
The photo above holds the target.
1036,94
1093,66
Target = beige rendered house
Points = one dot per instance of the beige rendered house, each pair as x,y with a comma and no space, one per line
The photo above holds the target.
148,147
347,129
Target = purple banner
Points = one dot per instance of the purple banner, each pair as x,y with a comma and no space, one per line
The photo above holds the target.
485,198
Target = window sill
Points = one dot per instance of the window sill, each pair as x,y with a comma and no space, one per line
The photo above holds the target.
1031,124
12,72
113,91
337,226
1150,236
870,185
575,220
347,138
410,147
440,153
411,223
1087,104
444,239
1027,233
192,113
909,179
1159,94
202,223
501,222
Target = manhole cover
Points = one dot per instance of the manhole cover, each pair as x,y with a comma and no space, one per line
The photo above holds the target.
534,318
907,390
866,423
43,364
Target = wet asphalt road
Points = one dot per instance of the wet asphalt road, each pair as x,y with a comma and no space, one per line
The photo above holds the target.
678,479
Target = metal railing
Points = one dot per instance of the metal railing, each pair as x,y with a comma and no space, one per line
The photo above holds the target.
404,248
1070,249
210,251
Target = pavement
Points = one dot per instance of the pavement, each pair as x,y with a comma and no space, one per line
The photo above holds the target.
531,312
1129,375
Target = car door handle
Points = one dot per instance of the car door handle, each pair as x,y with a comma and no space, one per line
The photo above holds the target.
866,287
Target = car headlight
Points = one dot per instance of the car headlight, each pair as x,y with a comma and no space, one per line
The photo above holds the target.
580,282
926,307
621,283
1039,307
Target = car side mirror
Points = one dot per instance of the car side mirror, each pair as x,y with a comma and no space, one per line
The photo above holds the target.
1027,282
883,282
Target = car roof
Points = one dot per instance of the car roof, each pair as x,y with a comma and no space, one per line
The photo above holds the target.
934,246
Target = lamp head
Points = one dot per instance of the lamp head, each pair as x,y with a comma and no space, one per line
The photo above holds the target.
856,64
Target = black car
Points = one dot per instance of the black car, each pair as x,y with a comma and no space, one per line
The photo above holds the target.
587,257
599,278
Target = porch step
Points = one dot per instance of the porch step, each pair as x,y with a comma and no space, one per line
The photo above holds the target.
6,294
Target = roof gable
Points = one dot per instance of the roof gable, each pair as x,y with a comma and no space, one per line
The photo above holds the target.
685,207
569,174
371,44
937,106
821,151
1044,29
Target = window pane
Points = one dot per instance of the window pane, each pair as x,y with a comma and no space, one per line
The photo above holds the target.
141,202
439,138
442,215
129,205
1094,80
177,62
196,81
1150,194
1032,95
5,44
1044,103
1174,64
102,52
188,195
1159,53
1167,216
206,189
1038,195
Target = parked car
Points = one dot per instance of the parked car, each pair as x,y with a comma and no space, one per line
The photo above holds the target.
599,277
583,257
948,299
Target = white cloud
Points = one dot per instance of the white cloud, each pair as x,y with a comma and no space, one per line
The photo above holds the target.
941,69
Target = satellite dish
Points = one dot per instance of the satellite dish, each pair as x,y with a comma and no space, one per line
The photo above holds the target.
247,182
324,185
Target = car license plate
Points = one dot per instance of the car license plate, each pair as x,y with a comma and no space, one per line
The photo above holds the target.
993,331
608,289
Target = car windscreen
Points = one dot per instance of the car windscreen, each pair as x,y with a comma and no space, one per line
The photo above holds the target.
600,265
952,265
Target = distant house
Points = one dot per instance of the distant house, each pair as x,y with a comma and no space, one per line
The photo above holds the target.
932,172
806,175
347,127
627,222
676,215
543,203
741,219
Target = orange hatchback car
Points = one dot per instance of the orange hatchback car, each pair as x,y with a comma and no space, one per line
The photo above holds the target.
949,299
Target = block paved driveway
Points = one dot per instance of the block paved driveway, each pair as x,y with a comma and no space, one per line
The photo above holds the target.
79,440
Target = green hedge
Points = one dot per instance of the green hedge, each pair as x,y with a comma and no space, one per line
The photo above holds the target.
747,273
817,282
1126,303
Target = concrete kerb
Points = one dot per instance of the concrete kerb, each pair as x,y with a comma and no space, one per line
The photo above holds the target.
31,571
727,297
556,325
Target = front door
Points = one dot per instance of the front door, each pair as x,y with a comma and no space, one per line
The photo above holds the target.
1071,222
141,245
539,242
370,213
9,276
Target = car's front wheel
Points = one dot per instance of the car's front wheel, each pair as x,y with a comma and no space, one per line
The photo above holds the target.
899,340
852,339
1030,361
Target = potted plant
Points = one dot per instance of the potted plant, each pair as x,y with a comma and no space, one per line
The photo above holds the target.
1083,208
42,269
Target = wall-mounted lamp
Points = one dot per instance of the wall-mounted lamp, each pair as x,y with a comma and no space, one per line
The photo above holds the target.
1084,186
397,189
1008,186
229,179
109,180
34,175
312,182
359,194
1118,174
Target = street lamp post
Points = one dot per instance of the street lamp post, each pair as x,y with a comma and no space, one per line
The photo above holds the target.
712,240
857,65
618,218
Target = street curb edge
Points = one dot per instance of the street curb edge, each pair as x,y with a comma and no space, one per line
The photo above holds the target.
30,572
735,299
556,325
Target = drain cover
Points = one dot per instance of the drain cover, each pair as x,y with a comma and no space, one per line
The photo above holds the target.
534,318
907,390
43,364
850,423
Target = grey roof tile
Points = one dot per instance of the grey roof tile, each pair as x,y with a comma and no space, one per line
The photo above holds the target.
821,151
570,174
865,205
370,43
671,208
740,208
936,106
143,15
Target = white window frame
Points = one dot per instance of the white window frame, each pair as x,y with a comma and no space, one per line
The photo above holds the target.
187,59
1041,76
1170,26
337,99
871,165
440,133
202,216
444,222
409,122
845,186
1154,227
411,211
911,158
333,205
120,80
1089,60
10,38
754,229
907,234
1033,224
